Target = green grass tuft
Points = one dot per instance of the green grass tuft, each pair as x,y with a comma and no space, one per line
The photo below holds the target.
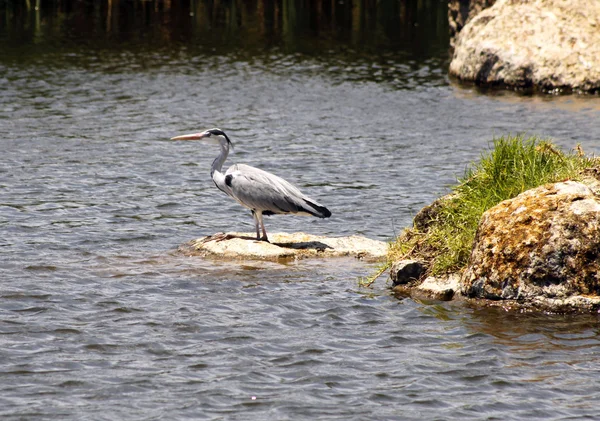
513,165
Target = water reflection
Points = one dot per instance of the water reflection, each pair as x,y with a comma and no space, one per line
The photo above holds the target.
570,103
536,332
416,26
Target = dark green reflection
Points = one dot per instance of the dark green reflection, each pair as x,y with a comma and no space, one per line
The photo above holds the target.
417,28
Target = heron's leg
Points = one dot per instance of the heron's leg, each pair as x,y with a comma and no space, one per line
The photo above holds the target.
259,215
256,224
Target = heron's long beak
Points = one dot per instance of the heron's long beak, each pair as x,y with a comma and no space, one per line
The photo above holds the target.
193,136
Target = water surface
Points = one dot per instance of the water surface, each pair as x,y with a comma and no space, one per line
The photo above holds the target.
102,318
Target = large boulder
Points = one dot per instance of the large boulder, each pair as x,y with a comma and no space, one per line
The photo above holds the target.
550,45
541,247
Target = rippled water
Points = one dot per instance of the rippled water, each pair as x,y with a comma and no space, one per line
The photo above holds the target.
101,318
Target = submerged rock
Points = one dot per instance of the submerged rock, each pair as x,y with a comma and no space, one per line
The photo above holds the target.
234,245
541,44
541,248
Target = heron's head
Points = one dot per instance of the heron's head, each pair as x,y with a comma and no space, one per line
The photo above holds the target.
215,135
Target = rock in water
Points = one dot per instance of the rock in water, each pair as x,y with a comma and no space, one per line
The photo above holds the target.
235,245
405,271
542,246
543,44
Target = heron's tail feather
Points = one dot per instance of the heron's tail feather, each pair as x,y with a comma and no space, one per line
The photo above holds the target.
316,209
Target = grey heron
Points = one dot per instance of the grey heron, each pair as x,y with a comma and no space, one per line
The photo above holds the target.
260,191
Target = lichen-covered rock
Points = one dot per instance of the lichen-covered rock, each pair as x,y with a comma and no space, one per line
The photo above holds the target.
542,44
541,247
235,245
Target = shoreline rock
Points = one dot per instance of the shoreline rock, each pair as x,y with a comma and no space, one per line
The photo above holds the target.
543,244
539,251
284,246
547,45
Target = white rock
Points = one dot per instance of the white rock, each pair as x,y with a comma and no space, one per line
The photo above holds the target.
438,288
235,245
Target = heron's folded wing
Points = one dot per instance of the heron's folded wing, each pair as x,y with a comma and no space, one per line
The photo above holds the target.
260,190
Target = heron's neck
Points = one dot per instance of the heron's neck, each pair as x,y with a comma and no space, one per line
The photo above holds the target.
217,164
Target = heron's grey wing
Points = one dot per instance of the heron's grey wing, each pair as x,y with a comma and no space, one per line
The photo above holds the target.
260,190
